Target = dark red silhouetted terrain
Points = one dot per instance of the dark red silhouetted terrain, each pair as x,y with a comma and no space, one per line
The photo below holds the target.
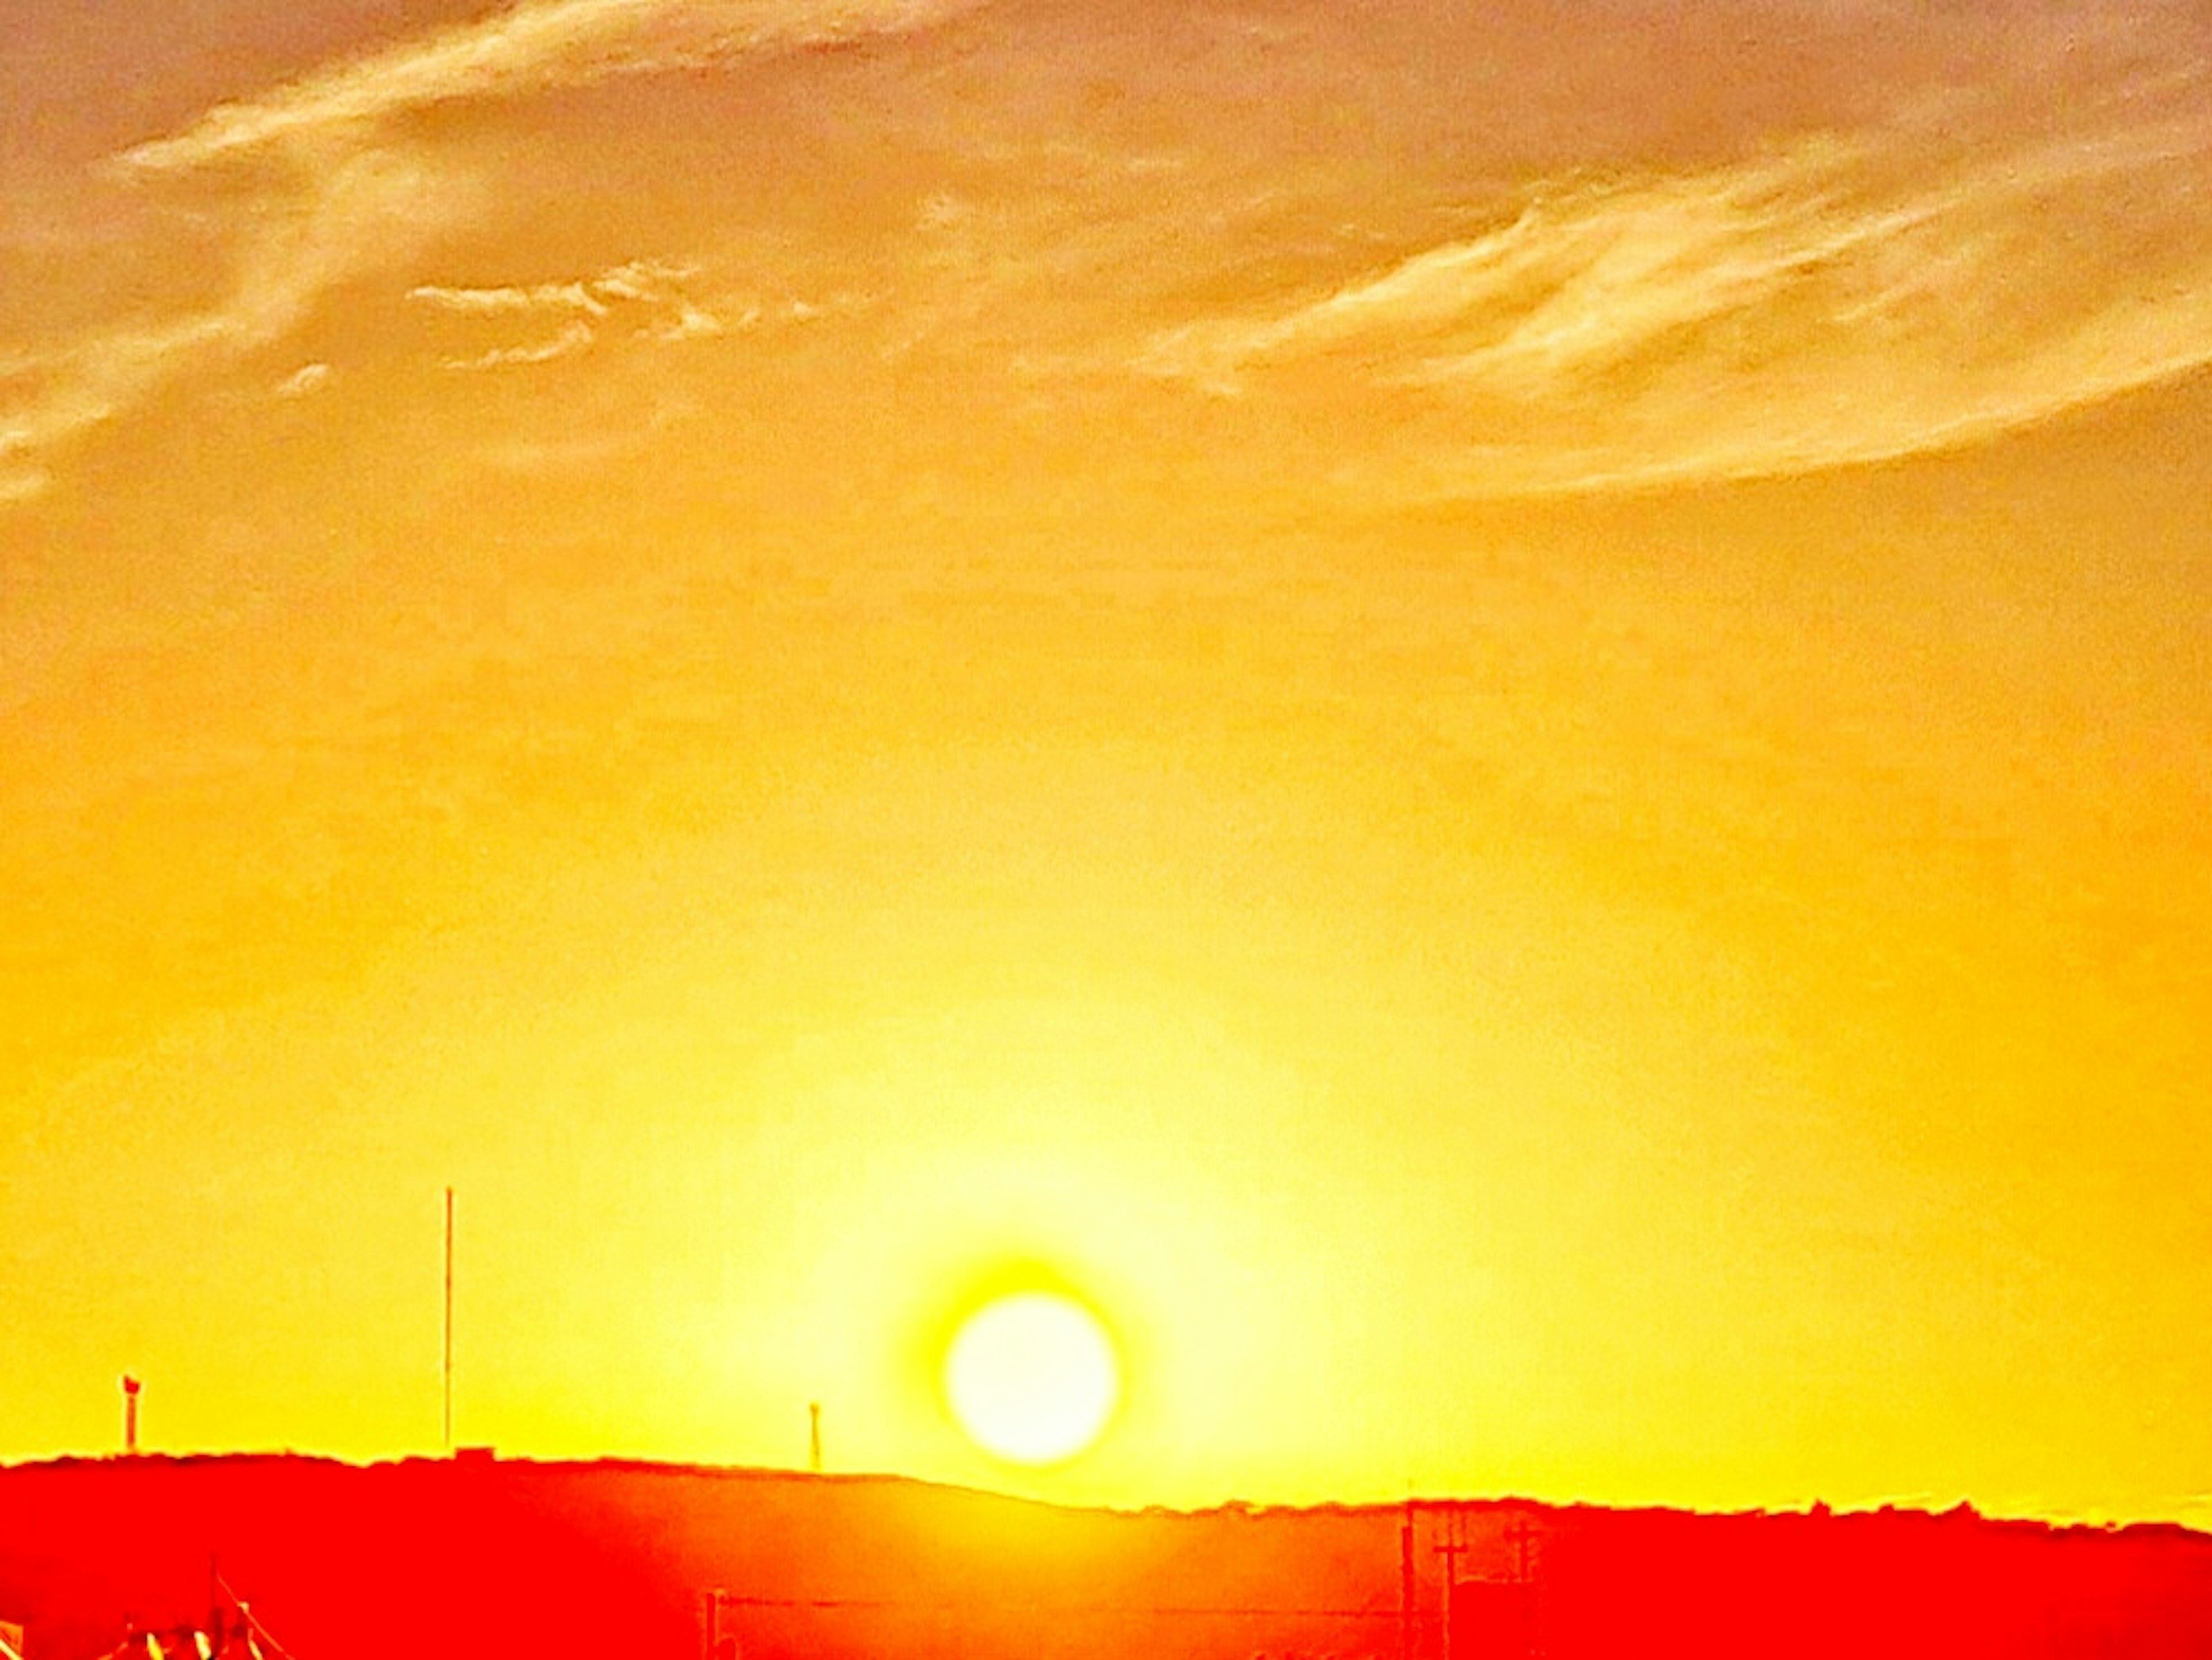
477,1557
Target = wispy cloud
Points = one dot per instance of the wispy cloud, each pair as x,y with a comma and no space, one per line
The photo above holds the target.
692,323
1891,283
355,195
281,265
574,339
646,297
1847,299
533,48
20,484
507,301
305,382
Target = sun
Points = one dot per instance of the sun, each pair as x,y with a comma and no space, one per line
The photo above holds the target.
1033,1377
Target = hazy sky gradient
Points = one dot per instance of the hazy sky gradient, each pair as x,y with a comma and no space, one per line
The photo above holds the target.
1497,713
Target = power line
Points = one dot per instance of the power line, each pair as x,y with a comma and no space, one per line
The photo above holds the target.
252,1620
731,1600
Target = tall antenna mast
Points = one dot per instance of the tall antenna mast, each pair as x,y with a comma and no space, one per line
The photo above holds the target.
131,1388
814,1436
446,1367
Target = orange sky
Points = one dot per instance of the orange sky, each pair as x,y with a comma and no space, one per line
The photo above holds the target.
1499,715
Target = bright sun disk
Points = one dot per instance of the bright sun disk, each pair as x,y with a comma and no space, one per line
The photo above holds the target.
1033,1377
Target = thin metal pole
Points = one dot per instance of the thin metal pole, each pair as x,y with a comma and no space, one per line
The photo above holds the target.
447,1366
1522,1536
1451,1550
1406,1585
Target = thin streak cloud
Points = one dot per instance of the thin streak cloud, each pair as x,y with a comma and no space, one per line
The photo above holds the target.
305,382
529,50
646,289
574,339
649,283
1845,301
501,301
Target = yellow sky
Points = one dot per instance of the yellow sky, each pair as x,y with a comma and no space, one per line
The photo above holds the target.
1497,716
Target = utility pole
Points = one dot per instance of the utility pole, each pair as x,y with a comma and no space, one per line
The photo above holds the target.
1406,1585
131,1388
1521,1535
446,1359
718,1647
814,1436
1451,1550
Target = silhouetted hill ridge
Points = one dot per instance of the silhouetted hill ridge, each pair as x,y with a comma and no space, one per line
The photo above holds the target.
475,1555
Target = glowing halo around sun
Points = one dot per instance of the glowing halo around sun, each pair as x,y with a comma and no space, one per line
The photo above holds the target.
1033,1377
